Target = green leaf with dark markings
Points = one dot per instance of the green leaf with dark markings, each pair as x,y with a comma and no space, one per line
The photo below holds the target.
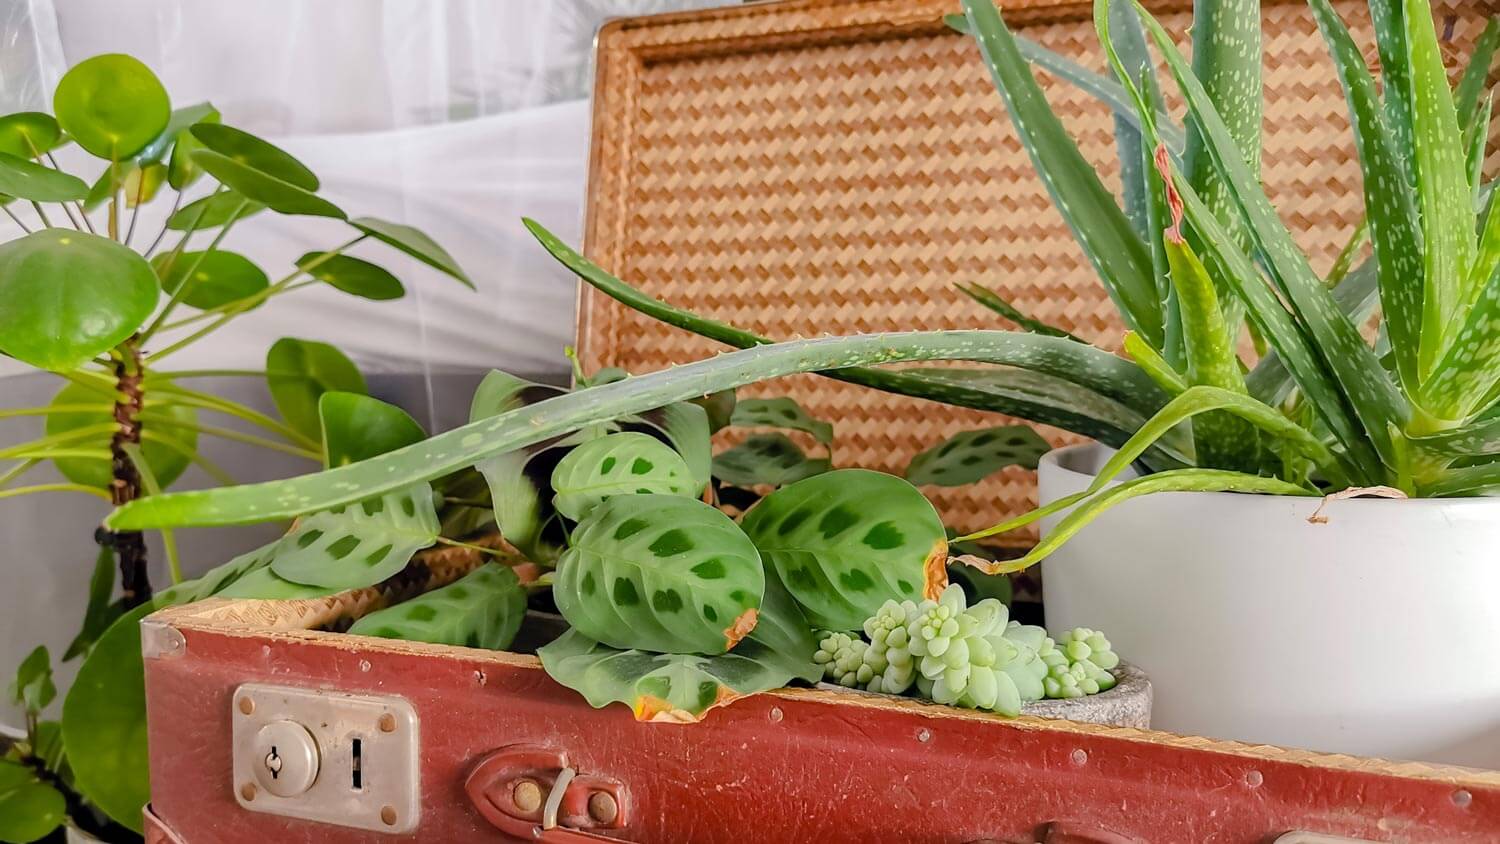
767,459
780,412
971,456
661,573
359,544
626,463
484,609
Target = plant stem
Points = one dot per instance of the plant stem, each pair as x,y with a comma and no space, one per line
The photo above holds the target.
17,471
153,375
168,537
40,213
229,434
28,490
454,543
11,214
213,469
114,205
187,277
54,408
176,204
135,580
193,398
251,301
66,438
37,154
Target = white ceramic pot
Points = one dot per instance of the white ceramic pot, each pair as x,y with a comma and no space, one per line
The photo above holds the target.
1375,633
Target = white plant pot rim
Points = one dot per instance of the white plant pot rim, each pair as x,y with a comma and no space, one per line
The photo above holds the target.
1065,460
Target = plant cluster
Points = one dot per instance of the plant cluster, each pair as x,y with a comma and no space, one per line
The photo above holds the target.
969,656
87,294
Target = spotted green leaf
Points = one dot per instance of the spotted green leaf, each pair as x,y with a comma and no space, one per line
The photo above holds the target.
971,456
661,573
682,425
264,585
847,541
484,609
618,464
359,544
781,412
767,459
663,687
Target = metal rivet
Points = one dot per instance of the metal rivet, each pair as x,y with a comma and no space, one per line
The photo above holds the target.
247,791
924,734
364,665
388,815
1254,779
387,723
603,808
527,796
1079,756
1462,798
776,715
247,705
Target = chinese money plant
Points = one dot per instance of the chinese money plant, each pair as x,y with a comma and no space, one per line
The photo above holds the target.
87,294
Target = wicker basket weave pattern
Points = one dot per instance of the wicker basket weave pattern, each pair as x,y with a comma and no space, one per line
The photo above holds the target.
809,168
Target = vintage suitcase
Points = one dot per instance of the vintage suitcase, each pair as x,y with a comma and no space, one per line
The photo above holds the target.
799,167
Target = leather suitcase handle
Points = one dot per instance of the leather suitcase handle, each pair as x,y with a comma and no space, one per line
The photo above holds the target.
530,792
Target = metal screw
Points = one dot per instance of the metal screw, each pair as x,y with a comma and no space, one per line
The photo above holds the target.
1254,779
387,723
247,705
1079,756
1462,798
603,808
527,796
247,791
388,815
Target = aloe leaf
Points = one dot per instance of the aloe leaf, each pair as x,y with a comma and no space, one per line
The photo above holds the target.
1227,63
1091,368
971,456
1177,480
767,459
1100,87
1476,144
1149,360
1134,64
484,609
1467,481
361,543
1476,76
1101,228
661,573
847,541
1389,19
1374,399
1390,205
666,688
1467,373
781,412
1477,439
626,463
1357,295
997,303
1444,199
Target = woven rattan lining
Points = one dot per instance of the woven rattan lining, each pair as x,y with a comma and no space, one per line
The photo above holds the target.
804,168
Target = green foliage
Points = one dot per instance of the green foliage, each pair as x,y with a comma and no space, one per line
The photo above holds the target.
23,179
971,456
352,275
32,688
660,573
82,419
413,242
265,188
618,464
70,296
111,105
29,133
780,413
356,427
212,211
299,372
484,609
213,279
846,541
767,459
359,544
101,611
29,807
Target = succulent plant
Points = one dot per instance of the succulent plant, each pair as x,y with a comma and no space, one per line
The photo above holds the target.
843,659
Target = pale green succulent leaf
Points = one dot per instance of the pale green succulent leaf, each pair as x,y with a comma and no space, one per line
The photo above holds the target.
1472,85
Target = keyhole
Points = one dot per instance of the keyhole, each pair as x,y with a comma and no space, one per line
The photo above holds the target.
273,763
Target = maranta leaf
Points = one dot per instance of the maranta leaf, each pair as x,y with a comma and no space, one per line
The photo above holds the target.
618,464
484,609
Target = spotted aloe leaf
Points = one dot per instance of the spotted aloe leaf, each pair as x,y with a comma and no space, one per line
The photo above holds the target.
780,412
847,541
618,464
660,573
358,544
971,456
663,687
767,459
991,299
482,610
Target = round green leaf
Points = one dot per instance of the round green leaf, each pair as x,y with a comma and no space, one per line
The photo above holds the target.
660,573
68,296
25,179
847,541
112,105
104,722
353,275
618,464
356,427
28,134
299,372
971,456
142,183
218,277
177,125
29,808
216,210
274,193
413,242
166,463
255,153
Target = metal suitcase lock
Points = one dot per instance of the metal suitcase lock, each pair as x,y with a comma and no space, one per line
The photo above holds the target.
530,792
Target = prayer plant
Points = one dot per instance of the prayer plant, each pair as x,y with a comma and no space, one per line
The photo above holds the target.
85,295
1196,251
